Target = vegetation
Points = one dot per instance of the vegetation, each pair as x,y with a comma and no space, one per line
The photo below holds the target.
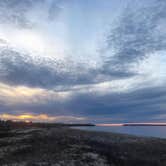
25,144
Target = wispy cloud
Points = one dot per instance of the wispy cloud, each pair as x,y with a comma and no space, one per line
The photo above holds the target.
137,33
11,95
25,13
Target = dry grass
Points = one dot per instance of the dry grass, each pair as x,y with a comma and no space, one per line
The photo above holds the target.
62,146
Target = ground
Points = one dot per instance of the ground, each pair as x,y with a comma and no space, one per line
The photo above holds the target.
63,146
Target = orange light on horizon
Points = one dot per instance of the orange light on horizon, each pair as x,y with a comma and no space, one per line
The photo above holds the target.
27,117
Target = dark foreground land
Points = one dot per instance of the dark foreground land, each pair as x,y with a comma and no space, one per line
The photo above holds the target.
63,146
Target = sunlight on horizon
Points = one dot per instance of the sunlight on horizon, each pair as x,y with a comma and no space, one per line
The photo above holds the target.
27,117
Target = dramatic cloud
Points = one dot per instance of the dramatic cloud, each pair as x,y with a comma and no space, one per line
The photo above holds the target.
22,69
138,33
50,71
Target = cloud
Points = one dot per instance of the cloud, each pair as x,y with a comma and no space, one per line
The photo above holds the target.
138,105
127,85
30,57
21,95
31,53
21,69
18,12
138,32
31,27
145,103
17,68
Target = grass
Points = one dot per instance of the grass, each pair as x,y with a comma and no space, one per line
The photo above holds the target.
63,146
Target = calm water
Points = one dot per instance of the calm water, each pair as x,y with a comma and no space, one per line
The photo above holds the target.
152,131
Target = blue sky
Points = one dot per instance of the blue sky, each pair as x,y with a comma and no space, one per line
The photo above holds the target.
83,60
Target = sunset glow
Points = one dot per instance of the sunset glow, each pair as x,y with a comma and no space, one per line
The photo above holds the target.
28,117
40,118
12,95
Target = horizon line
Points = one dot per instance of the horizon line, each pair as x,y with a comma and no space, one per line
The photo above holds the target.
132,124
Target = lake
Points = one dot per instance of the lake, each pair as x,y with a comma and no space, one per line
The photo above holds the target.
152,131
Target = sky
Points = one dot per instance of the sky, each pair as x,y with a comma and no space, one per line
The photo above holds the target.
83,60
